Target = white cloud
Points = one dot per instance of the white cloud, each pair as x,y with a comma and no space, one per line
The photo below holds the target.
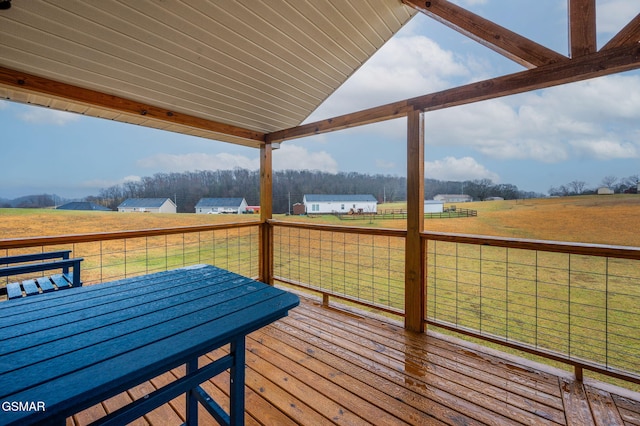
605,149
293,157
403,68
595,119
289,156
198,161
613,15
458,169
48,116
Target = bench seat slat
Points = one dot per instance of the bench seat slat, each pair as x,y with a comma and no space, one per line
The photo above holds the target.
61,281
14,290
45,284
30,287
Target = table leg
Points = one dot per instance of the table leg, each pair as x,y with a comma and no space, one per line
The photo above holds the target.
236,412
192,401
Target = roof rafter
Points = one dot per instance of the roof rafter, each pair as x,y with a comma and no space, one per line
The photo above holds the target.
597,64
630,34
506,42
582,27
24,81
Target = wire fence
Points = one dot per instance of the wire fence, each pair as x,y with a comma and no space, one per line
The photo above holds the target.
350,263
568,302
113,256
574,307
401,214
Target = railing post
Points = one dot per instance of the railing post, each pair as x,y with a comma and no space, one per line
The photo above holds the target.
415,295
266,211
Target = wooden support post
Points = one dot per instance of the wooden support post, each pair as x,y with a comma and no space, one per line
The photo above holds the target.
578,373
582,27
325,300
415,295
266,211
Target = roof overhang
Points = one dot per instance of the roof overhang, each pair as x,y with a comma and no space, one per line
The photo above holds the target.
225,70
251,72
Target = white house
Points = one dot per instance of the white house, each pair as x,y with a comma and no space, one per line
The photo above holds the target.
433,206
221,206
453,198
148,205
604,190
325,203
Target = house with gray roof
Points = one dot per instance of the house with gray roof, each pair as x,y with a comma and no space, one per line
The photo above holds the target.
221,206
148,205
83,205
340,203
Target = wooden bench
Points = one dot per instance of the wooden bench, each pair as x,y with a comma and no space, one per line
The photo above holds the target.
28,263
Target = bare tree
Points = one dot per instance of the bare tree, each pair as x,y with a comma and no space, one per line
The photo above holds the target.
577,187
609,181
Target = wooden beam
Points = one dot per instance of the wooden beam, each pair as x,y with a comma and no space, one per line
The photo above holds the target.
506,42
582,27
629,35
367,116
585,67
415,295
32,83
605,62
266,212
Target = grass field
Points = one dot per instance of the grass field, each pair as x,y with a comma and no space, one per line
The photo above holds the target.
608,219
22,223
588,219
583,306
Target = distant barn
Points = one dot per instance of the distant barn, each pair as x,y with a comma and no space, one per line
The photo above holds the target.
83,205
298,209
433,206
453,198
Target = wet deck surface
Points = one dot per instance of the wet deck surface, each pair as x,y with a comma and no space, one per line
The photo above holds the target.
324,366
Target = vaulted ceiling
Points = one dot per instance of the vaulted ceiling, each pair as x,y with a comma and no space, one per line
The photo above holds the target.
229,70
247,72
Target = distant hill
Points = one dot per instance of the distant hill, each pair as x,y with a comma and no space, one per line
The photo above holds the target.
32,201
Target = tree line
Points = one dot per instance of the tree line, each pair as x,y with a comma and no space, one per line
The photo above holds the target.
289,187
579,187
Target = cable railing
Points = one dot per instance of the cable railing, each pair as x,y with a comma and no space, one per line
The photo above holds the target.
360,265
573,303
115,255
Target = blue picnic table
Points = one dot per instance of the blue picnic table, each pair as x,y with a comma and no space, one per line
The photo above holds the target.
63,352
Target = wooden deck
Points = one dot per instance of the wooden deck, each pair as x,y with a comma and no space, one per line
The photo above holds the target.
323,366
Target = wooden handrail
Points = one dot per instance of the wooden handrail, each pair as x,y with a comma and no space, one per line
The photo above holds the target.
339,228
15,243
600,250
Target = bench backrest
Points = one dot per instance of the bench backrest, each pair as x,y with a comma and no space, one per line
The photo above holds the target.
28,263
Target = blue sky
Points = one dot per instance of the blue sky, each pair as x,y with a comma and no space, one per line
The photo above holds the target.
584,131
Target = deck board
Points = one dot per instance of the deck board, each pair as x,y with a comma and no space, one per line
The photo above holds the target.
324,366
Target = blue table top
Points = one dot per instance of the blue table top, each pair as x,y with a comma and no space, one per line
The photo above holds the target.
66,351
